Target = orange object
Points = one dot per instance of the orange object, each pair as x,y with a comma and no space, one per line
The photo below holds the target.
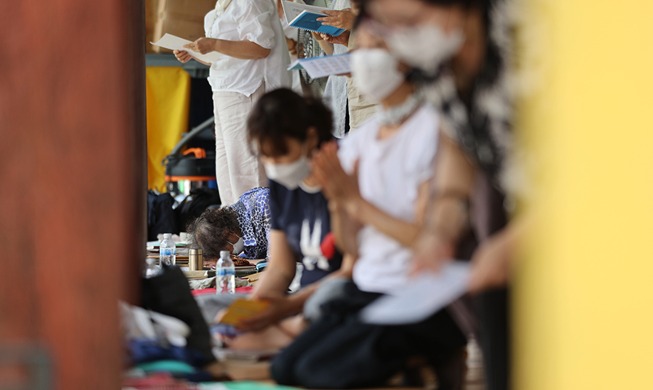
242,309
198,152
191,178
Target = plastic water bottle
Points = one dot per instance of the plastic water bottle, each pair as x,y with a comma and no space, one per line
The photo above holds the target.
225,274
167,250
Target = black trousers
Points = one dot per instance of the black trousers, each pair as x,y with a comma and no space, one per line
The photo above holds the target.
338,351
493,312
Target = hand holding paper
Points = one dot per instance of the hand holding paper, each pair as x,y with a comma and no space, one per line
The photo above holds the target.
242,309
305,17
171,42
202,45
339,18
182,56
342,39
276,309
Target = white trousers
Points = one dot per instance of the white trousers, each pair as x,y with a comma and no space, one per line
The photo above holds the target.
236,169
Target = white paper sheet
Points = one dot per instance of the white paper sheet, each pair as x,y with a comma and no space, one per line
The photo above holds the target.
425,295
172,42
317,67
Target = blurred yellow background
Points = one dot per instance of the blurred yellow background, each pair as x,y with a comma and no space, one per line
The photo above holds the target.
584,292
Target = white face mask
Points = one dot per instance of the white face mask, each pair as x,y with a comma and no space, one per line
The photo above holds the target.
289,175
238,246
424,46
375,73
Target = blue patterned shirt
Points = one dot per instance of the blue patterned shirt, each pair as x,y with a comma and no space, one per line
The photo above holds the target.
253,209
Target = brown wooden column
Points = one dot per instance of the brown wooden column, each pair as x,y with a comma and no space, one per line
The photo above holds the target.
72,181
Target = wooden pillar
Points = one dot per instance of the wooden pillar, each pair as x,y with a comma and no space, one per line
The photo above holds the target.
72,181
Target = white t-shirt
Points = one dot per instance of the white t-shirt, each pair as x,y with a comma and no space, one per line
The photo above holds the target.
256,21
390,172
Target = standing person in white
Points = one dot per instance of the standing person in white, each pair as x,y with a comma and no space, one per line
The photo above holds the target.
335,91
254,60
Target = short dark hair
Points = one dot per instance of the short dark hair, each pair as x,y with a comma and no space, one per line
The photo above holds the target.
282,114
211,230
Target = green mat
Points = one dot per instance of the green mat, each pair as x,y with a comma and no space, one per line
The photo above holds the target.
243,385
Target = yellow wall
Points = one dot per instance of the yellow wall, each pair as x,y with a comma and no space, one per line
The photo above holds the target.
584,302
168,96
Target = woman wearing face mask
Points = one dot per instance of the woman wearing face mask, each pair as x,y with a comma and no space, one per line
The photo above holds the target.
242,228
285,129
469,85
377,185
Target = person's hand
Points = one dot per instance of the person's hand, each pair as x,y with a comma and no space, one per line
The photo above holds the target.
292,46
182,56
491,263
431,252
317,36
278,309
209,264
342,39
339,18
202,45
337,185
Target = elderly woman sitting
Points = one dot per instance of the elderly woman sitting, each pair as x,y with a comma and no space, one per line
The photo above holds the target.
242,228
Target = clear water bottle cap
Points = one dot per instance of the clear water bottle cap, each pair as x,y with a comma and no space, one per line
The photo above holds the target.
225,254
167,235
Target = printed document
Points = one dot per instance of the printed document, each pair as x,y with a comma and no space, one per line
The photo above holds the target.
425,295
317,67
172,42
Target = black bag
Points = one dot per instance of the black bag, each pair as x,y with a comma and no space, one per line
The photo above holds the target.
194,205
169,294
161,217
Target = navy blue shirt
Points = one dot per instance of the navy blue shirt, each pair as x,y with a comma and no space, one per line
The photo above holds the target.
304,218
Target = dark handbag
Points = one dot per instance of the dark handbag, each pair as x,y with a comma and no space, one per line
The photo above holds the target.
161,216
169,293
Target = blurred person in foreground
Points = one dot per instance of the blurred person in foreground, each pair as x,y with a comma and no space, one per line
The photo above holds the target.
461,49
377,183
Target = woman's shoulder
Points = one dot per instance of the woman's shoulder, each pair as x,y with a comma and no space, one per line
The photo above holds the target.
209,18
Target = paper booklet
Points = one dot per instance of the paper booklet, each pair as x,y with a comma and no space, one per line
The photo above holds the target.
242,309
424,295
304,17
317,67
172,42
